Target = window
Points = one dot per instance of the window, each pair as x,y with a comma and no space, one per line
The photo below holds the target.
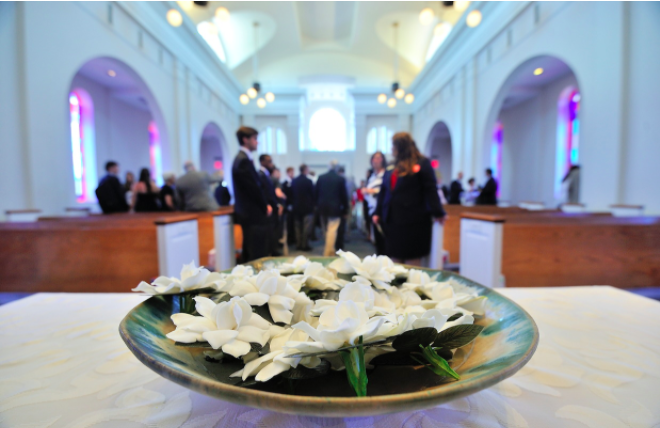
272,141
496,155
379,139
327,131
83,150
155,156
568,134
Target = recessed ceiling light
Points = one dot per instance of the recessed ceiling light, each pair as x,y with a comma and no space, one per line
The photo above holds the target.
538,71
112,73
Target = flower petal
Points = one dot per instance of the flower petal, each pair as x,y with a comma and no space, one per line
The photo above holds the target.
236,348
218,338
256,299
253,335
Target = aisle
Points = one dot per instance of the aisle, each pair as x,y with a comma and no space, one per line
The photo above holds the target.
355,242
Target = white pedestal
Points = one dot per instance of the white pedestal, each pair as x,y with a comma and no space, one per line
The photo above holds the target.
223,233
481,252
436,258
178,244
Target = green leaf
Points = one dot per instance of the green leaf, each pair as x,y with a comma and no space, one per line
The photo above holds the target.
398,358
410,340
457,336
455,317
356,369
437,364
444,353
302,372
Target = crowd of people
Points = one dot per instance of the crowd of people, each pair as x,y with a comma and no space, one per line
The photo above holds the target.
194,191
400,200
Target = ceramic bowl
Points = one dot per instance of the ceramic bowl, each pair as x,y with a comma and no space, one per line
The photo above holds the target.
507,342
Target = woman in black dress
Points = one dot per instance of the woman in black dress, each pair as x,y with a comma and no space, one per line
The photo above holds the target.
408,202
146,195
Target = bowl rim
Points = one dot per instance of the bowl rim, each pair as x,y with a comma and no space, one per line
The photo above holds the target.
337,406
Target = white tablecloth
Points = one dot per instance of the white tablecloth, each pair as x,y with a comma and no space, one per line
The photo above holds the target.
63,364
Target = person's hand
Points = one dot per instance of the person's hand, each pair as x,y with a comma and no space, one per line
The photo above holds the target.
280,209
269,210
375,219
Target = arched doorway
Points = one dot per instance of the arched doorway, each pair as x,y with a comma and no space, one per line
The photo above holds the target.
531,139
113,116
439,150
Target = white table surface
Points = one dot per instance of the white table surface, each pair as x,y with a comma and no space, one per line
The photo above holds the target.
63,364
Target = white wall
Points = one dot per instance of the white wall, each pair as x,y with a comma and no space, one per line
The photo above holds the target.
612,49
46,43
530,145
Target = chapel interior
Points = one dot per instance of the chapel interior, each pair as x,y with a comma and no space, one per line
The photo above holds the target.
560,101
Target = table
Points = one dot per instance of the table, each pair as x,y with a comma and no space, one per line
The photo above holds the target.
63,364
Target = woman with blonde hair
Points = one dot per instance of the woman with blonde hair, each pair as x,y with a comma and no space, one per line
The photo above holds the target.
408,202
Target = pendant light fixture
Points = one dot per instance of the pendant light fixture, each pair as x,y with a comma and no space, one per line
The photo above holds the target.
397,91
254,91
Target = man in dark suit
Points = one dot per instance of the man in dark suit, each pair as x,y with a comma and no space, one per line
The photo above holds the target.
221,193
110,193
332,201
488,195
455,190
302,192
251,206
288,206
265,170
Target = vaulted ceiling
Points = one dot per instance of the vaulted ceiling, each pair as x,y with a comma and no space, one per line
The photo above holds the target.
300,39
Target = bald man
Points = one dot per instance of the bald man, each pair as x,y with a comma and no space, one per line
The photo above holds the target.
195,189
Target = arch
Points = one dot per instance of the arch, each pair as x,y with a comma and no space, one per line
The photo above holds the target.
439,149
213,152
523,116
125,110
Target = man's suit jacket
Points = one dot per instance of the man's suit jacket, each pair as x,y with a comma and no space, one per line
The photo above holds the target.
413,200
250,204
269,191
488,195
194,189
455,191
111,195
286,189
331,196
302,193
222,195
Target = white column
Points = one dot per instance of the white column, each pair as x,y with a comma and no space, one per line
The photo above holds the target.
223,233
178,243
481,251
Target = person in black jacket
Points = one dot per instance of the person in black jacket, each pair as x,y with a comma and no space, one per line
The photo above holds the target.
302,194
265,170
110,193
407,203
488,195
221,193
331,198
455,190
288,207
251,206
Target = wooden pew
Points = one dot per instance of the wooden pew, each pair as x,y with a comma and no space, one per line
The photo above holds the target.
452,229
110,253
547,251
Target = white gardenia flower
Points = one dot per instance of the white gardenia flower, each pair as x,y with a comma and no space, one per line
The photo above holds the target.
192,278
298,265
379,270
230,325
275,362
339,325
316,277
362,293
272,288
